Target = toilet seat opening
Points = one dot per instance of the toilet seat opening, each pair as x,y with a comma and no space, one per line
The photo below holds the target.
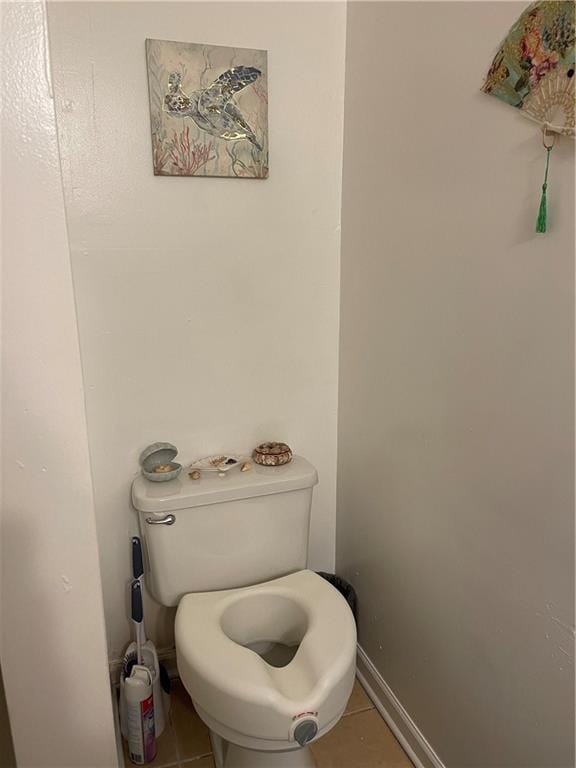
275,654
270,625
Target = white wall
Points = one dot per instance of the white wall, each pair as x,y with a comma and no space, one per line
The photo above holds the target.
455,514
53,645
208,308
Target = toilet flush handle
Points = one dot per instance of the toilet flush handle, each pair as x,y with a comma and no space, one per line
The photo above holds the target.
168,520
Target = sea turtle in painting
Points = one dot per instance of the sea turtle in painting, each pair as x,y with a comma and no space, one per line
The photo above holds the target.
213,109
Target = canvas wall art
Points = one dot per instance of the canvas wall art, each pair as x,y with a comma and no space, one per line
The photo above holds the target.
208,110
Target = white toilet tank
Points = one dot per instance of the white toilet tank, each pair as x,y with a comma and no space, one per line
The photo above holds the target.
224,532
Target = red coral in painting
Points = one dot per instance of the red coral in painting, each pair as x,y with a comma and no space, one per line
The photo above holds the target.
160,154
187,158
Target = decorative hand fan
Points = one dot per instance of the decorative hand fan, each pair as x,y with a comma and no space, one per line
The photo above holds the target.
534,72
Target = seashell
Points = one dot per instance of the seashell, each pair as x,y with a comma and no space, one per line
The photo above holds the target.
246,467
195,475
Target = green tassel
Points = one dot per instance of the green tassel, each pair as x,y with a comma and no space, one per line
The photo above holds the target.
541,221
543,210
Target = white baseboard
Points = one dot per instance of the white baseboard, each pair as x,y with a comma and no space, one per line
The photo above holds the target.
166,656
398,720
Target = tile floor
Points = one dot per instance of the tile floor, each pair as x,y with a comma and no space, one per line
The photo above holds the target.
360,740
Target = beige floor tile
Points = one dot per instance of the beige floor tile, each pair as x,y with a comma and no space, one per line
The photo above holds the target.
192,736
362,740
358,700
201,762
165,749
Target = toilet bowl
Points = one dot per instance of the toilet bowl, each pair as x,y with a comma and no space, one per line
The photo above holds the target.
268,667
265,648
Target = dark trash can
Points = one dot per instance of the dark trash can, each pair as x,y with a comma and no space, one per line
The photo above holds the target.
345,588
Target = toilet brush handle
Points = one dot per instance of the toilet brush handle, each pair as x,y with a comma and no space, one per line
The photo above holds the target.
137,615
137,612
137,573
137,561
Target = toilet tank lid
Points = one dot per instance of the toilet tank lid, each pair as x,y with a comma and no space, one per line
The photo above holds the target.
183,492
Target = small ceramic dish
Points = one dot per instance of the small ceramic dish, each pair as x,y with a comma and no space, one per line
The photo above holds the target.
157,462
222,462
162,476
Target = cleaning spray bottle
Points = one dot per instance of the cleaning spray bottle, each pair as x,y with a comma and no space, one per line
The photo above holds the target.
140,715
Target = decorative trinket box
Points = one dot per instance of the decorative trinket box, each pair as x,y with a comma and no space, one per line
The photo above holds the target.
157,462
272,454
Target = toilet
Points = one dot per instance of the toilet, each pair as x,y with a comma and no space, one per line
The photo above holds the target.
265,647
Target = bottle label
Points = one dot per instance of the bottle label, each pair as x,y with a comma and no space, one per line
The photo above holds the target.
148,734
142,739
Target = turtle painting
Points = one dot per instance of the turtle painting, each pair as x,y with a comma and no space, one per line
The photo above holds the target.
213,108
209,110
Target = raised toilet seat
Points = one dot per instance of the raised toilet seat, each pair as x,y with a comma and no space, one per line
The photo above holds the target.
271,665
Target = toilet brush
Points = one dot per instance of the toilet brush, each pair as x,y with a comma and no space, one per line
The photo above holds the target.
143,651
161,677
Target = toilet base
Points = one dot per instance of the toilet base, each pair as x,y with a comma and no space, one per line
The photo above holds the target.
227,755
